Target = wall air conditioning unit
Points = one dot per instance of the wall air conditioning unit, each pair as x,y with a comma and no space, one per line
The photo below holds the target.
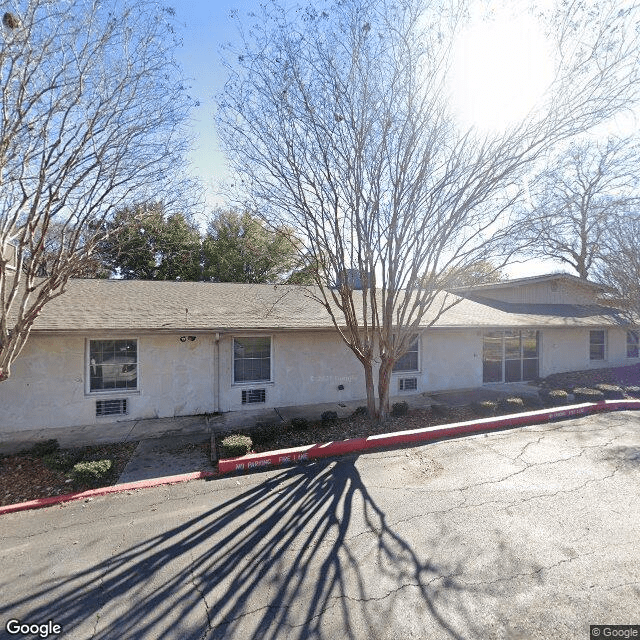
253,396
408,384
111,407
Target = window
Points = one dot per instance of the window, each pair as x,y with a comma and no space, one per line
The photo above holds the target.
597,344
113,364
510,355
251,359
409,361
632,344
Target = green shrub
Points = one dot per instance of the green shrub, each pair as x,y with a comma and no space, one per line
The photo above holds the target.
399,409
264,432
62,460
299,424
633,392
361,412
44,448
610,391
557,397
329,417
91,474
235,445
583,394
486,408
511,405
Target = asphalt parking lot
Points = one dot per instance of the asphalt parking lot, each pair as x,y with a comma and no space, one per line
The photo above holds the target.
527,533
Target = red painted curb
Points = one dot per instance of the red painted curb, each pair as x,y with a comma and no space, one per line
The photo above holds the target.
116,488
330,449
255,461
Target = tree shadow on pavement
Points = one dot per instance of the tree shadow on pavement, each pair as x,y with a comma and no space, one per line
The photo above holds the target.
307,553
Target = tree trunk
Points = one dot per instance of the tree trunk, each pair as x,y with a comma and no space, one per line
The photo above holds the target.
384,380
371,392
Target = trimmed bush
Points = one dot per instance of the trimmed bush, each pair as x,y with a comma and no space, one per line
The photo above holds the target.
62,460
583,394
361,412
511,405
235,445
264,432
299,424
44,448
557,397
633,392
399,409
91,474
611,391
329,417
486,408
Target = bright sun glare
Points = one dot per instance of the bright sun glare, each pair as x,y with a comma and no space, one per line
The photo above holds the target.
501,70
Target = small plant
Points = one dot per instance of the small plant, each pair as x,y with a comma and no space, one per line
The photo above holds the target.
361,412
633,392
264,432
611,391
557,397
299,424
399,409
329,417
44,448
91,474
511,405
62,460
235,445
583,394
486,408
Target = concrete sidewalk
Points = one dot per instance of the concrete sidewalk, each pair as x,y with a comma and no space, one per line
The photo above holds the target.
203,425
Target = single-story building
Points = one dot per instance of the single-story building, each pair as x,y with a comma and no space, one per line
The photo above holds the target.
113,350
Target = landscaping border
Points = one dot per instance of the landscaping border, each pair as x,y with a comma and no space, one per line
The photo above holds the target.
257,461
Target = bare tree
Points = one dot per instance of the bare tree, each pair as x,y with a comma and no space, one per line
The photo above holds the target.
337,123
620,264
92,108
578,199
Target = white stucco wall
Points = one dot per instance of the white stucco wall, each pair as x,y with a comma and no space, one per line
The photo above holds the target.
568,350
48,385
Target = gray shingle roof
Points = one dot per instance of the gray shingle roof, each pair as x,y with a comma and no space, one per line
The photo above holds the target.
102,305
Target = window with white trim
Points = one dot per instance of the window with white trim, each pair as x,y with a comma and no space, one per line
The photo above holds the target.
510,355
409,361
632,344
252,359
597,344
113,365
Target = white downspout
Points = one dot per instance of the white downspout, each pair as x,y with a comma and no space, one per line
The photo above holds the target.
217,367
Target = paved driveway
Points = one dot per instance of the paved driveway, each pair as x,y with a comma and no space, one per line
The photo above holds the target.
530,533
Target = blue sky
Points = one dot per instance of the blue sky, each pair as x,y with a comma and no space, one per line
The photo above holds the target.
205,26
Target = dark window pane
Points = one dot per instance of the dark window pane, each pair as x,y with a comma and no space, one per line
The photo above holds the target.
252,359
492,347
632,344
530,344
530,369
408,362
492,371
512,348
596,352
113,364
512,370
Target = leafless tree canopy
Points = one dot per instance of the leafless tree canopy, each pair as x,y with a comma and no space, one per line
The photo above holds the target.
92,108
579,200
336,119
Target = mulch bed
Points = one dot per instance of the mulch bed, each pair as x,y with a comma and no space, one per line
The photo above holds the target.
25,476
620,376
